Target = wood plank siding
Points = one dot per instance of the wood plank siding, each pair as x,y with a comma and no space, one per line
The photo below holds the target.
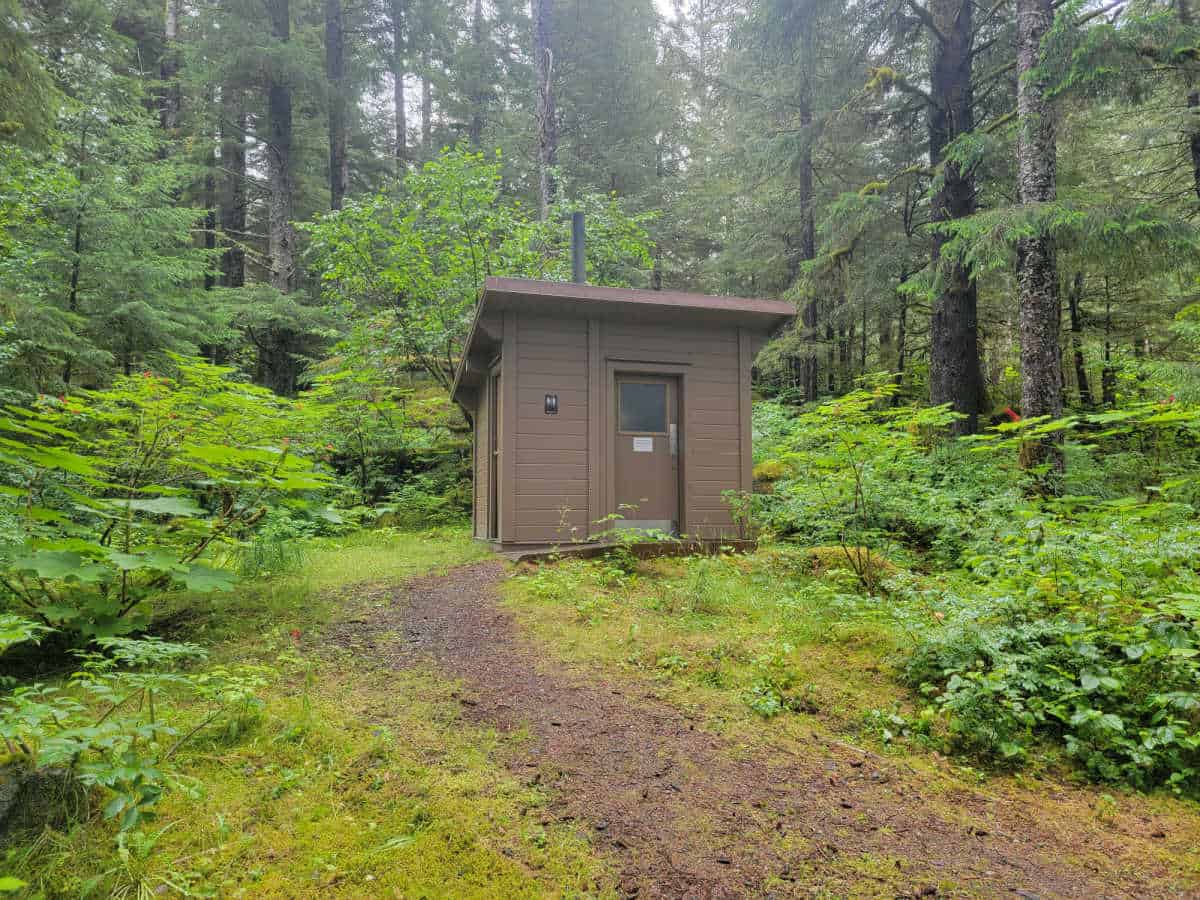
551,493
560,488
483,489
553,478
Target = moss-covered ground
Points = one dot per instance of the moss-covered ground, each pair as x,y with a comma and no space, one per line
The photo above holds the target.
720,637
352,780
358,779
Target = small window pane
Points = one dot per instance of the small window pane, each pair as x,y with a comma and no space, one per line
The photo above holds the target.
643,407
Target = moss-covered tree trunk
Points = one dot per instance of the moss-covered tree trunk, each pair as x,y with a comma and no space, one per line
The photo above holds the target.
955,374
1040,308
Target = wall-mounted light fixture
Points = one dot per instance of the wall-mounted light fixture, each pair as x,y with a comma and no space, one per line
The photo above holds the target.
552,404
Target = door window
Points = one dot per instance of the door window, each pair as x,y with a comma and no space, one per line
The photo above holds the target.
643,407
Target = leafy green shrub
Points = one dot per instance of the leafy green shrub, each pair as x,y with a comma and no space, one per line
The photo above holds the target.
115,724
1123,695
422,502
114,496
276,547
860,472
1065,618
774,689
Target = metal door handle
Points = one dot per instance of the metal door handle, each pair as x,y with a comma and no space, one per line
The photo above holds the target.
674,432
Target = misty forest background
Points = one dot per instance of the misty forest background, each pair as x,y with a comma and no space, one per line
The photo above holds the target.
964,196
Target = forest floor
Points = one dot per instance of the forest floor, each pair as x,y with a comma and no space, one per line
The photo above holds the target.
681,811
443,724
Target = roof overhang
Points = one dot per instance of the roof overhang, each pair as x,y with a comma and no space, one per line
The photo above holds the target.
591,301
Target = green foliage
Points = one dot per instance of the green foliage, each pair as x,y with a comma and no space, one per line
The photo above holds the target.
110,726
1118,687
423,253
116,495
1069,618
98,263
395,439
857,471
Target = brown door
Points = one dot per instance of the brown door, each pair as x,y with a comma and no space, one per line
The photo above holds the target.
646,452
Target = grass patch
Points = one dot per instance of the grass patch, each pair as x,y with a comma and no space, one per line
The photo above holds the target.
788,664
743,637
354,780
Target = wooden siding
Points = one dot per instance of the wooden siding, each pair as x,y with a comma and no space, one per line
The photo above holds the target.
554,469
551,485
482,487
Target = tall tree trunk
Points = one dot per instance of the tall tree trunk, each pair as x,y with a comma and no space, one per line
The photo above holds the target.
73,285
277,364
1108,375
808,249
233,193
845,340
168,70
1183,9
862,356
478,88
831,374
398,72
335,72
660,172
426,104
955,374
210,212
901,341
280,242
1040,308
547,127
1074,298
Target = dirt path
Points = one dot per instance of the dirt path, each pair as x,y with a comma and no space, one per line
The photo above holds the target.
682,816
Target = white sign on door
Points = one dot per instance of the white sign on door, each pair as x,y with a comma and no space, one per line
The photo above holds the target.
643,445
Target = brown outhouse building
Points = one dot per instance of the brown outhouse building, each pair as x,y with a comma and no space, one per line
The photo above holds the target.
591,401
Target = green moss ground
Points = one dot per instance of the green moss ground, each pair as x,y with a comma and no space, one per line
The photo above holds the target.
702,633
354,780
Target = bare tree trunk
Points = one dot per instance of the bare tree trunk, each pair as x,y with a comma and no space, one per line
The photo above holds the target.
335,72
1040,317
1074,298
547,127
478,88
955,375
1108,375
398,67
426,104
168,70
1184,11
233,195
280,240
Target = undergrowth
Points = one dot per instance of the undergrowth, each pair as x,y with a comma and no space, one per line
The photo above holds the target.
348,779
914,588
